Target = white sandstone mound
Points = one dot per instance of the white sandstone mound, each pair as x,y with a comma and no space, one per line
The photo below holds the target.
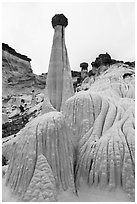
103,133
48,136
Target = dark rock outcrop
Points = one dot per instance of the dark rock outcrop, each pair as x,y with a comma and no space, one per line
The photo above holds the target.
75,74
132,64
91,73
103,62
102,59
13,127
4,161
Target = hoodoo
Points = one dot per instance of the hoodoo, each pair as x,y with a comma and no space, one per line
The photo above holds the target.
59,83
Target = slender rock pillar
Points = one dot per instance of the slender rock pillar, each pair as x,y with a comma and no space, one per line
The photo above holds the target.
59,82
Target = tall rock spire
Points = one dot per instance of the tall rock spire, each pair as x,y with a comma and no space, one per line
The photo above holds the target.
59,82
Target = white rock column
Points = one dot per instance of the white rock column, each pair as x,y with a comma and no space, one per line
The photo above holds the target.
59,81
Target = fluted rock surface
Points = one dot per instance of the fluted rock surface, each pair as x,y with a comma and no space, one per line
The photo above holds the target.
102,122
42,186
93,141
47,136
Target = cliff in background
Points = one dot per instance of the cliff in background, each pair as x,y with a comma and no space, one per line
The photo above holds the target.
17,74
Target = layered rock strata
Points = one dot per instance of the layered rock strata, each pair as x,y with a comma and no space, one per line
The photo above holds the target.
17,74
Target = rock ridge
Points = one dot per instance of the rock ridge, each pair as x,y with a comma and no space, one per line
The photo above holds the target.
6,47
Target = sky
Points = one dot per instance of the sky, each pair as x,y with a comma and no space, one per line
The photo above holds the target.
93,29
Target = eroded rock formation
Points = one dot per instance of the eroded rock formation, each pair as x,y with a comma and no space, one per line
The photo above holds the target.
88,136
47,136
103,62
100,120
